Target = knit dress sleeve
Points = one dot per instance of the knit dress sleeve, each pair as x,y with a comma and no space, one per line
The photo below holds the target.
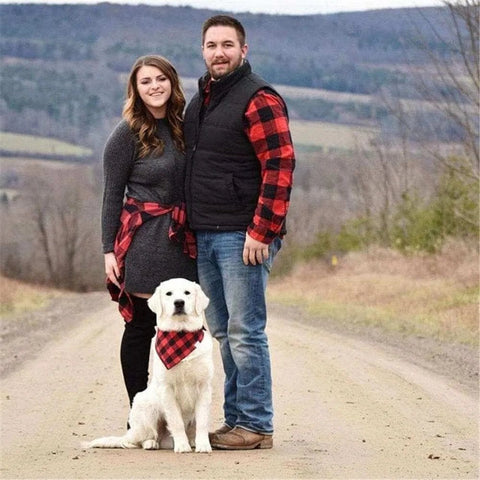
118,160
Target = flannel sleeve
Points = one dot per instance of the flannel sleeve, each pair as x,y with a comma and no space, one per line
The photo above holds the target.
268,131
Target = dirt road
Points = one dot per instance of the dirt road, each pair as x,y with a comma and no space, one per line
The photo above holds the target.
344,409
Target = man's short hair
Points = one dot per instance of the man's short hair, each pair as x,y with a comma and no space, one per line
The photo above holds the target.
224,21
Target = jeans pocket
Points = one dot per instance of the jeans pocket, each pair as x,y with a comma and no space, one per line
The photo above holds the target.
273,249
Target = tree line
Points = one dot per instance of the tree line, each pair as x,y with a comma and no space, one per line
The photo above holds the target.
67,76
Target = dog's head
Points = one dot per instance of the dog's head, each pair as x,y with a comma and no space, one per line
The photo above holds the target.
179,305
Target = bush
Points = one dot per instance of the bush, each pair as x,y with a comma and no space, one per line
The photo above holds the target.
320,248
452,212
416,224
456,203
354,235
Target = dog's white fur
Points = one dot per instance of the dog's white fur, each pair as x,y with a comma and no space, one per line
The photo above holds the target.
178,400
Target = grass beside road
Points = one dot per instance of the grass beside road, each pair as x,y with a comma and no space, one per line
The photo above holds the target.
19,297
434,295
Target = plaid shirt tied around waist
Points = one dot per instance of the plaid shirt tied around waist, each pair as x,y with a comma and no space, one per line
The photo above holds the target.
172,347
134,215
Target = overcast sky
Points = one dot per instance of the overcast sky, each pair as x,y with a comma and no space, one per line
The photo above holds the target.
291,7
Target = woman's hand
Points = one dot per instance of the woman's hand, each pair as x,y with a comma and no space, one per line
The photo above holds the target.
111,268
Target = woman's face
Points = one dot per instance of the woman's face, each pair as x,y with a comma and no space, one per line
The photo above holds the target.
154,89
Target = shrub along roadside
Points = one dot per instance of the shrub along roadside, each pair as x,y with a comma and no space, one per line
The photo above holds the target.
414,224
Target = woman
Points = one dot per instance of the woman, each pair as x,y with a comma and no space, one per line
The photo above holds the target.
143,234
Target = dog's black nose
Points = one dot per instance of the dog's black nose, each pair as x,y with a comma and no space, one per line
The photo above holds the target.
179,304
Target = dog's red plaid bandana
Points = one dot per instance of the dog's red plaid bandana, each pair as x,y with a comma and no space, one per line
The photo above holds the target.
173,347
134,214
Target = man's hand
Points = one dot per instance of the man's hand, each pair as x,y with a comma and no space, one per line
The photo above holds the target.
254,251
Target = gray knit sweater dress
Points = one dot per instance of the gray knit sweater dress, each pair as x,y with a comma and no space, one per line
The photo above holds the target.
152,257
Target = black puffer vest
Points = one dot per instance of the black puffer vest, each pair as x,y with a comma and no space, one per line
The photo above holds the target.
223,172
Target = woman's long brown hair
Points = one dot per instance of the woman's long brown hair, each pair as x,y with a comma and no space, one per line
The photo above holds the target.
141,121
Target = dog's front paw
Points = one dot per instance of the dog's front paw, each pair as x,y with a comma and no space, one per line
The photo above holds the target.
181,446
150,445
203,447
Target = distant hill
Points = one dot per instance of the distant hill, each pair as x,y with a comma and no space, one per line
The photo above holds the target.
62,65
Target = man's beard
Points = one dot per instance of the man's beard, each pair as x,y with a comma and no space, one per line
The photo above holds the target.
218,76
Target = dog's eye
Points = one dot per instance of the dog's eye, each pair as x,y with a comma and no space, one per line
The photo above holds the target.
169,294
186,292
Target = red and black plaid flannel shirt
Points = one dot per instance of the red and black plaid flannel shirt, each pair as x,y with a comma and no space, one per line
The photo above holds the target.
267,129
172,347
269,133
135,214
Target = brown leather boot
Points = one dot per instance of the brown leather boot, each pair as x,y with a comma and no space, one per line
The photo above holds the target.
219,431
240,439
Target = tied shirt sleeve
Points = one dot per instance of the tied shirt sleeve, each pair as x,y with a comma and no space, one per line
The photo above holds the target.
118,159
268,131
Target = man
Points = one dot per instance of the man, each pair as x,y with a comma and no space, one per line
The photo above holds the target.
240,163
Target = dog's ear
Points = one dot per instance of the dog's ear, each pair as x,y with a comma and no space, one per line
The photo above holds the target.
155,302
201,300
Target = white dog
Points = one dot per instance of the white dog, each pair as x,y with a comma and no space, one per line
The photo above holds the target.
178,397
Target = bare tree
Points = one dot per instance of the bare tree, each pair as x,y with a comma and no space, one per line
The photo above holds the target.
58,208
441,123
448,85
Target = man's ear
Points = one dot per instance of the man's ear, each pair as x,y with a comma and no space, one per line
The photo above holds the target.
244,51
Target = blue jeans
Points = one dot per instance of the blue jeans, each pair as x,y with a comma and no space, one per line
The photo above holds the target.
237,317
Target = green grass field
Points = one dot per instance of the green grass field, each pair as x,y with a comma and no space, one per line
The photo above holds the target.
24,164
319,135
288,91
16,143
331,136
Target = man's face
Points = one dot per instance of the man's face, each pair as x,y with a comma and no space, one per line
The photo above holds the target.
222,51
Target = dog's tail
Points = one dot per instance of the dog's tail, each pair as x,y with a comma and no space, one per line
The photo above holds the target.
110,442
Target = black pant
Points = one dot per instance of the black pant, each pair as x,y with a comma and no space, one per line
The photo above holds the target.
135,347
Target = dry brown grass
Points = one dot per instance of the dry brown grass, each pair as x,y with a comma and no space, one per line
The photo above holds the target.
431,295
434,296
18,297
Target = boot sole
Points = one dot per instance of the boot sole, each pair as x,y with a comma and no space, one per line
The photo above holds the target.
266,443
